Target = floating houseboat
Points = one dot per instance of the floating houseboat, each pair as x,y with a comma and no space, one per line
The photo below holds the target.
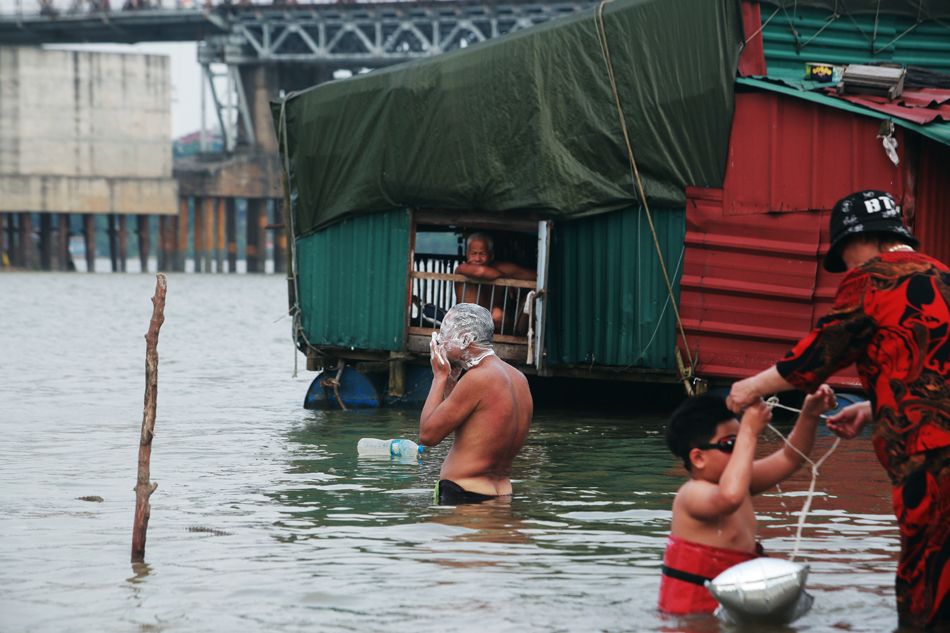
676,215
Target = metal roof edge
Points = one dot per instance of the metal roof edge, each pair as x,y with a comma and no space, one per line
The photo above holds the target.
939,132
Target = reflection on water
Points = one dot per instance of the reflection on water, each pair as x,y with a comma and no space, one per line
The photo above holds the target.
265,519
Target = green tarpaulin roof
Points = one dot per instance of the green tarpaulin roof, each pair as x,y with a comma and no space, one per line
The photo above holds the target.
526,121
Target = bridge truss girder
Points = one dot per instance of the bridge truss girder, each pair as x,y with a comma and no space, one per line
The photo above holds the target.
371,35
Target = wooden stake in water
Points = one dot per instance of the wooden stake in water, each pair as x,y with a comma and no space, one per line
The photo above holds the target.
144,489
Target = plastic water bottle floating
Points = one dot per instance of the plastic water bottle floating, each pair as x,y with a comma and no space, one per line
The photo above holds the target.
398,448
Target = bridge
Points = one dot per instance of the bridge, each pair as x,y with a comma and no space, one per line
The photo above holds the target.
249,54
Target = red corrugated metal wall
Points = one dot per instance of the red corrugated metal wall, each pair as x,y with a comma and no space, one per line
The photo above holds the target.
752,280
932,219
788,154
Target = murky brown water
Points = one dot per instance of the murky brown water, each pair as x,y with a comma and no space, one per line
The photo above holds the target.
306,536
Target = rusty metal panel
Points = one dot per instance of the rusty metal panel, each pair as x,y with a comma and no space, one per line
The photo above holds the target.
352,280
932,217
787,154
748,291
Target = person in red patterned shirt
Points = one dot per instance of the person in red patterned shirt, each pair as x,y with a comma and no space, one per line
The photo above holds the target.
891,318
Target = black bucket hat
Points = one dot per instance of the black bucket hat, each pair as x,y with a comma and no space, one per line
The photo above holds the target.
864,212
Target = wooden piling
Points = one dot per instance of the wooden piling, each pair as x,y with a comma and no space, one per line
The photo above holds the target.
162,243
181,230
13,248
123,242
46,241
280,238
208,208
64,258
231,231
198,237
253,228
143,488
89,232
113,241
27,253
4,246
219,246
143,229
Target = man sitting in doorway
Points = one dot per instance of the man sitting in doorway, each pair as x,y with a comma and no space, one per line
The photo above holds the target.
480,264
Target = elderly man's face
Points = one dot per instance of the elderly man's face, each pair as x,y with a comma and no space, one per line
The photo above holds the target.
478,253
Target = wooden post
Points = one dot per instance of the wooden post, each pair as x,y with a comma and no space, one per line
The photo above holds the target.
219,246
143,228
113,242
4,246
64,257
280,238
209,232
144,489
231,231
46,241
397,377
26,240
123,242
89,230
198,236
253,211
162,254
182,230
13,247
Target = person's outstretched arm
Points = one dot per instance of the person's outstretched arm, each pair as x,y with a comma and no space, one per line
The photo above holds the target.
745,392
782,463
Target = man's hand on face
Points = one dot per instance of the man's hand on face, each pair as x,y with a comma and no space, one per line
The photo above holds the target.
440,364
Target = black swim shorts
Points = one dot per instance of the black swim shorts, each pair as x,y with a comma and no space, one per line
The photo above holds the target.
449,493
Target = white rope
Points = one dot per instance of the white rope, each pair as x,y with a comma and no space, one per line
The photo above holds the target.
773,402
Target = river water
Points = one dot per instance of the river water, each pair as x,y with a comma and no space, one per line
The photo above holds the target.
265,519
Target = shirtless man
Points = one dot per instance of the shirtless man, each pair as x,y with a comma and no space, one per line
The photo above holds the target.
489,409
480,263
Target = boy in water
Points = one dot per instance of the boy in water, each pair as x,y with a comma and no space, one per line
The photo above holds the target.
713,524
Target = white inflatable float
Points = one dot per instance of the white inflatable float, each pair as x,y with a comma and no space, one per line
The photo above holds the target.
766,590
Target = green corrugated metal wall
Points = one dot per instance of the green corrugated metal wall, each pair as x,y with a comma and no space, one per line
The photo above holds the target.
848,39
352,282
607,290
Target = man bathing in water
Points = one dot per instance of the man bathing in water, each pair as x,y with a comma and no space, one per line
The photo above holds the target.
480,263
489,408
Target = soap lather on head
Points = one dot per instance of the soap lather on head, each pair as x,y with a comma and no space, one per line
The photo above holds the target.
467,327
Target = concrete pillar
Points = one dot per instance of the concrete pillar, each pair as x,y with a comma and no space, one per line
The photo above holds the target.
143,229
231,232
89,232
26,241
208,209
280,238
181,229
123,242
46,241
219,231
256,208
198,237
261,86
64,258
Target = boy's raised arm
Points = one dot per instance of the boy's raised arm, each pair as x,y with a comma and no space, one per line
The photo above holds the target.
778,466
707,500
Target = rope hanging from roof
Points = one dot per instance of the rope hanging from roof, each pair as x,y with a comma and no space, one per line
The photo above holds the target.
688,371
